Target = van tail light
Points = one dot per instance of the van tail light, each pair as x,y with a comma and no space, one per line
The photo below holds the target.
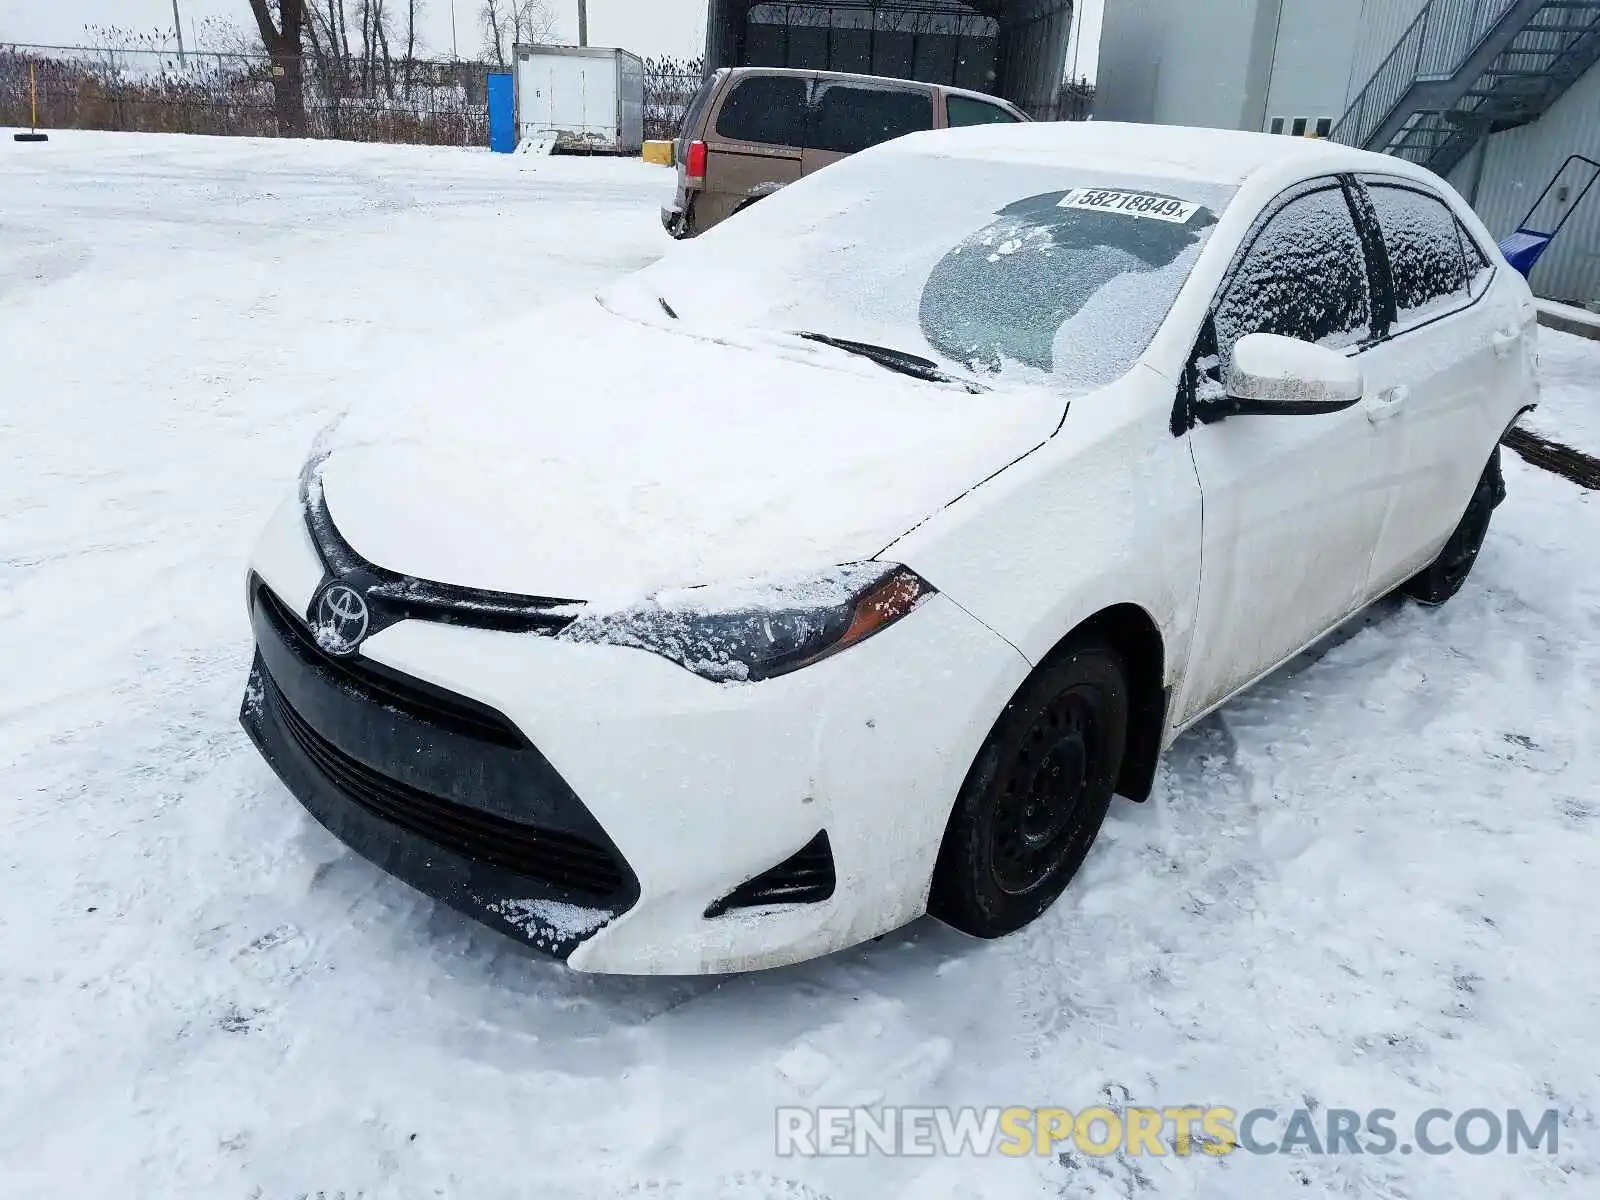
694,163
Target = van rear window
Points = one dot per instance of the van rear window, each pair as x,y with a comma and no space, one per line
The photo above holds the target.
766,109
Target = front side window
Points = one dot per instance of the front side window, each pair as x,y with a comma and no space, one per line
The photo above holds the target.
1304,276
847,119
769,110
1428,253
964,110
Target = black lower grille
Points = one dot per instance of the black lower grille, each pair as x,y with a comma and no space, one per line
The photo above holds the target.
807,877
544,855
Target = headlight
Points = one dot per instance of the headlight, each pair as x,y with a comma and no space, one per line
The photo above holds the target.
759,630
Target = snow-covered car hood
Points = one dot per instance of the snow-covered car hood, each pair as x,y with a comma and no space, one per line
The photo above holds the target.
586,455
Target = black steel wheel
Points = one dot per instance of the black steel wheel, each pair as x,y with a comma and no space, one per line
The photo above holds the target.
1444,577
1036,796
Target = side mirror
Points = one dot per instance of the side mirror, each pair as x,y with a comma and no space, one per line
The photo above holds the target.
1283,376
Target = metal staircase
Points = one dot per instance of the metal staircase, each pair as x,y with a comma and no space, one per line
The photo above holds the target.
1468,68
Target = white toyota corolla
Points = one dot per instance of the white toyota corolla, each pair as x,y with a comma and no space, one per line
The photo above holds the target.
842,565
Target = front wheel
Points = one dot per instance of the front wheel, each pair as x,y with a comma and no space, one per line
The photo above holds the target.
1036,796
1444,576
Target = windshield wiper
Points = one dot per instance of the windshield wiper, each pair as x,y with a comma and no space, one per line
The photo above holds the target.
898,361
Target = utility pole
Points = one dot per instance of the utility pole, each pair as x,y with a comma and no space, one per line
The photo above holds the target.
177,24
583,22
1077,39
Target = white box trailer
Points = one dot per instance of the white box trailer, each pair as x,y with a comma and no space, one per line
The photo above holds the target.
582,98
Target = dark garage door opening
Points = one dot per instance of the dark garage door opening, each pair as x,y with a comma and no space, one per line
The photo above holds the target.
1011,48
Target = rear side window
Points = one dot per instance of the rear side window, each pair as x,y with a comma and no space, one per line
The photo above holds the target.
847,119
1427,258
964,110
1304,276
697,109
767,109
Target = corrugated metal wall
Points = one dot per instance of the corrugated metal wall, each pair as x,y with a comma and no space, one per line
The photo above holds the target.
1130,60
1383,23
1025,46
1311,70
1034,54
1192,62
1177,62
1516,168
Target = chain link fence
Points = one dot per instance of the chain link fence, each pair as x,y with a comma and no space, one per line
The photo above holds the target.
424,102
667,97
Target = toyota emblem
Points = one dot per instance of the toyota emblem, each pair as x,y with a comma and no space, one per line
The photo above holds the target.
339,619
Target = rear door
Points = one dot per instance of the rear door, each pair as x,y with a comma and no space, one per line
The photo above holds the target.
536,95
1439,366
1293,505
583,99
848,116
754,139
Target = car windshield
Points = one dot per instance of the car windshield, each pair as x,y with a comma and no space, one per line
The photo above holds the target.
993,267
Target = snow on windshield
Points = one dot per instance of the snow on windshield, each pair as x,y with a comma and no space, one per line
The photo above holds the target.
998,267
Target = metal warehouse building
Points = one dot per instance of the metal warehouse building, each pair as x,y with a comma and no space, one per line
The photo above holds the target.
1501,96
1011,48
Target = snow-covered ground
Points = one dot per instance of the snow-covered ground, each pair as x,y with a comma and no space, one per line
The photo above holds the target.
1368,884
1569,408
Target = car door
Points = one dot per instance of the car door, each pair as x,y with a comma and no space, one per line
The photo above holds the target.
1292,505
1445,356
754,142
848,116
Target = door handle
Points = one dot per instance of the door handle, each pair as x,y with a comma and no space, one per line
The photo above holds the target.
1505,340
1388,403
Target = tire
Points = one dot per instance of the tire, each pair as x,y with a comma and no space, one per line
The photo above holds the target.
1036,796
1443,577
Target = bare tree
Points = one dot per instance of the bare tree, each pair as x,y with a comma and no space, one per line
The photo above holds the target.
326,32
383,51
336,25
413,11
280,34
507,24
375,19
492,23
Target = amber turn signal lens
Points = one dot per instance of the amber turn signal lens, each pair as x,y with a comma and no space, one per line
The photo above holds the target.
885,604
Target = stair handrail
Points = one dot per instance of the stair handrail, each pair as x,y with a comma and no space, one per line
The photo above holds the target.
1451,45
1356,114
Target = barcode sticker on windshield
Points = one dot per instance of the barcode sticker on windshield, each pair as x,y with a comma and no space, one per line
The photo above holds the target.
1130,204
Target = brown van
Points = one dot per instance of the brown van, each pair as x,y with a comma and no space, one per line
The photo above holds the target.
751,130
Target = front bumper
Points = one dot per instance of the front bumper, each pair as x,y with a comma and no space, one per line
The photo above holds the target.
439,792
691,789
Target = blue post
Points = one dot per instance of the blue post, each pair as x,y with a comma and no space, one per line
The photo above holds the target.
502,113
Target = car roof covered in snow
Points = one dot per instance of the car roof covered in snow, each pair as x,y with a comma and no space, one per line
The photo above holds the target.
1218,155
